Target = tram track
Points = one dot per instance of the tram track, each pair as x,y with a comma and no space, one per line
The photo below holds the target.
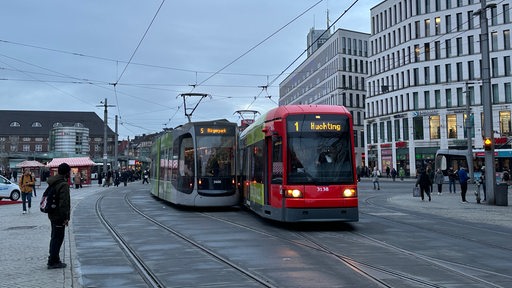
144,271
461,226
264,282
366,269
372,271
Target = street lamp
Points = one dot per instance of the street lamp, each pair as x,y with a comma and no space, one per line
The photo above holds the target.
490,177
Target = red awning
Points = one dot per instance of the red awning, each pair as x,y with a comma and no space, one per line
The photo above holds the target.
72,162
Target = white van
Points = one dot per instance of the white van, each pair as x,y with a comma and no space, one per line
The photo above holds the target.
9,189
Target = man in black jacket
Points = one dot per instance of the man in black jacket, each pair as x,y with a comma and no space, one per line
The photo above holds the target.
60,217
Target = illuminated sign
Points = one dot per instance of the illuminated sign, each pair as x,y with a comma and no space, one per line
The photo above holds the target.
317,123
212,131
314,126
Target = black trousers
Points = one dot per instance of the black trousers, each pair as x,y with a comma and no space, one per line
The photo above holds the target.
463,190
57,237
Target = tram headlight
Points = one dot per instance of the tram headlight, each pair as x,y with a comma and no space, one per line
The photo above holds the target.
293,193
349,192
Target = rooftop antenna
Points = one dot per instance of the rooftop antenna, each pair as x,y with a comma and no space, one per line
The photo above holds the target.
189,111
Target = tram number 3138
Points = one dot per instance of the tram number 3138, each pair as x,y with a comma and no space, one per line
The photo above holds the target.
322,189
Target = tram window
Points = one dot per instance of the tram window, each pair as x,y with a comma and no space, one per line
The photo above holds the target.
277,161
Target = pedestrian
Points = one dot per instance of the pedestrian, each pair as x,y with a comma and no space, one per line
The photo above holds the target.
77,179
145,176
388,171
34,185
393,173
59,218
431,174
463,180
401,173
26,184
14,175
375,178
482,182
425,184
452,178
439,180
505,178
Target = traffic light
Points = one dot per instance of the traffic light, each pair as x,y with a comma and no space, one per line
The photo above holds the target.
487,144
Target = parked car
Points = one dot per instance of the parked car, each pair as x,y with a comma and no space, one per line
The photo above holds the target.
9,189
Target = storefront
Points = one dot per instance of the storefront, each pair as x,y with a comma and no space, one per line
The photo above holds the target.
425,157
81,165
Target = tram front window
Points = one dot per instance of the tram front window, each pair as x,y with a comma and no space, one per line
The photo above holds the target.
319,158
214,156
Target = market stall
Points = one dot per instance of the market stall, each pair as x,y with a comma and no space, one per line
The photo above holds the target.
81,165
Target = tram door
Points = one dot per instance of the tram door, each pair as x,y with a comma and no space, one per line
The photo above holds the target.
275,170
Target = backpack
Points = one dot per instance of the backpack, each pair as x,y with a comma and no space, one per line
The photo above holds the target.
50,199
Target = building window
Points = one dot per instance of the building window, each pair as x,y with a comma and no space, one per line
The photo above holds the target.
506,13
437,74
448,45
448,98
460,97
26,139
426,71
397,129
459,22
460,74
406,129
451,125
508,93
435,127
427,51
437,94
459,46
471,70
415,100
438,25
448,23
26,148
417,127
471,45
495,94
427,27
38,148
448,72
494,41
14,148
494,68
15,124
381,132
426,97
506,39
505,123
37,124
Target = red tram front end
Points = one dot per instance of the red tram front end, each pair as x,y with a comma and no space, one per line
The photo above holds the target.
298,165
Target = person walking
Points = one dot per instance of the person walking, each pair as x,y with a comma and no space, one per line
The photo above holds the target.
463,180
145,176
452,178
59,218
425,184
34,185
375,178
439,180
77,179
26,183
401,173
393,173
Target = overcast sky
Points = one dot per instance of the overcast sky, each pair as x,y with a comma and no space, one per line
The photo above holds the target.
66,55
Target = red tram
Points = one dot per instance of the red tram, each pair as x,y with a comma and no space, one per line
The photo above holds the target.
297,164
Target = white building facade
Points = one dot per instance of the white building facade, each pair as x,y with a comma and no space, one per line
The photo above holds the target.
333,74
424,67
